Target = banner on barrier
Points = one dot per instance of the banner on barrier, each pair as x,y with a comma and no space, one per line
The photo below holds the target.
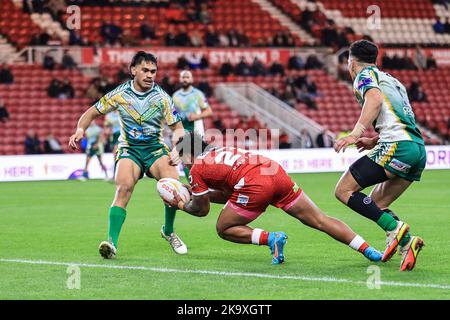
70,166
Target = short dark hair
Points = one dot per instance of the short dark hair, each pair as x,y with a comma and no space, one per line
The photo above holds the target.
142,56
191,143
364,51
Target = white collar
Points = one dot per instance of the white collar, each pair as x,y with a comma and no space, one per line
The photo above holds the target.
138,92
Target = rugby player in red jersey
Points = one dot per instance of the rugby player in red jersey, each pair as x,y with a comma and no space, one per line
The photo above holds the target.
248,184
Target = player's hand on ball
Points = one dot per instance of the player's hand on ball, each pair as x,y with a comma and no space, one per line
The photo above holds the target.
188,187
176,202
75,138
343,143
365,144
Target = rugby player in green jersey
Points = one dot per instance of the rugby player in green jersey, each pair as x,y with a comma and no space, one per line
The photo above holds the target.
143,109
192,106
397,156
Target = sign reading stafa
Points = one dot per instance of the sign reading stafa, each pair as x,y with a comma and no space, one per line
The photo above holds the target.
63,167
215,56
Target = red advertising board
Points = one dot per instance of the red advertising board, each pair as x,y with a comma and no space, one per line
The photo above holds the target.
214,55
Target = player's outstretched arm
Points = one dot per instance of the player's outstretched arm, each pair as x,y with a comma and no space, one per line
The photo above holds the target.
177,132
371,109
206,113
84,122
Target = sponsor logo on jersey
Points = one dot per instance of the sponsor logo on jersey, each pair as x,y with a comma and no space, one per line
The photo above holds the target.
242,199
400,166
364,82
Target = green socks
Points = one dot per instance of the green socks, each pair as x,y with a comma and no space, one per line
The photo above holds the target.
169,220
116,218
388,223
186,172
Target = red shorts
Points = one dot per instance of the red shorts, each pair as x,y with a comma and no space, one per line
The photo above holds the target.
259,191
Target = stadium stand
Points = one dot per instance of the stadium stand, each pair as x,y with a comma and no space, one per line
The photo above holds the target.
336,109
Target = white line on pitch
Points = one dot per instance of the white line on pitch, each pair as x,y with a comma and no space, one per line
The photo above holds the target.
227,274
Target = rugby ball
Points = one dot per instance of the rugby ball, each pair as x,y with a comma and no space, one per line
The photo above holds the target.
166,186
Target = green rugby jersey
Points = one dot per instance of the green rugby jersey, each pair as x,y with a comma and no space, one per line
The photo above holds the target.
193,101
142,114
396,121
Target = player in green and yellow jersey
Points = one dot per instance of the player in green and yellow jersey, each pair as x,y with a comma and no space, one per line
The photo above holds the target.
192,106
143,109
397,156
95,147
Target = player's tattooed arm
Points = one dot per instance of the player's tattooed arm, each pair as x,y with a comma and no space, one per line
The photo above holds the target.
197,206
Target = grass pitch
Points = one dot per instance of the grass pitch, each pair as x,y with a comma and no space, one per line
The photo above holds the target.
46,226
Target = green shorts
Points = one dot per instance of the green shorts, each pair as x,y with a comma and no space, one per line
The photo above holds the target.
114,138
143,156
406,159
95,151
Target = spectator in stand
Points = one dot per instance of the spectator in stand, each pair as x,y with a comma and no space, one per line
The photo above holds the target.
289,96
196,39
342,70
277,40
32,143
182,63
168,85
342,40
170,37
67,61
257,68
305,97
182,38
52,145
54,89
307,20
431,62
93,91
438,26
304,82
224,41
4,114
75,38
312,62
147,31
242,68
203,15
211,37
226,69
123,74
219,125
420,60
126,39
110,32
447,26
306,139
277,68
284,141
6,76
204,87
274,91
244,41
233,38
415,92
204,63
48,62
329,34
67,91
295,62
194,61
324,139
